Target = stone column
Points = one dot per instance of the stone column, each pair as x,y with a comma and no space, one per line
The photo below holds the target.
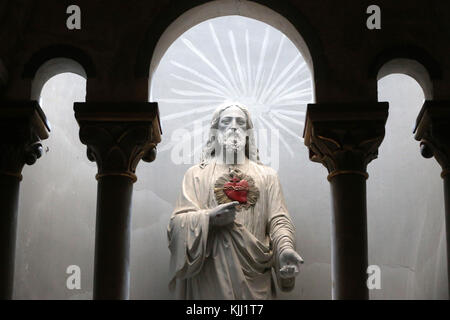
22,126
433,132
345,138
118,136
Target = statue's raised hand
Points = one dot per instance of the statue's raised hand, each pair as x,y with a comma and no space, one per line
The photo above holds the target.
289,263
223,214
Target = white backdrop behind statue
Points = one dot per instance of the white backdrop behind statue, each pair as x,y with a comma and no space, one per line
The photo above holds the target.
243,60
56,222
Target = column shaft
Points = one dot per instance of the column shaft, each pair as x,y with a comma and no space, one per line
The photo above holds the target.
349,237
112,238
447,223
9,199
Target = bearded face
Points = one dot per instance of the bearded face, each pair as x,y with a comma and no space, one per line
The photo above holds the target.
231,140
232,130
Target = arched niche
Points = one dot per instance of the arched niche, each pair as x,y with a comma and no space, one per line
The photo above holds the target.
220,8
181,124
410,60
406,230
52,68
410,68
55,225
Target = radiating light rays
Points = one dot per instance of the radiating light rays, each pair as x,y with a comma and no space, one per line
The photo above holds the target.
270,126
188,112
275,63
200,127
204,78
199,84
289,119
281,76
195,93
290,90
249,65
222,56
290,112
210,64
242,88
254,65
261,61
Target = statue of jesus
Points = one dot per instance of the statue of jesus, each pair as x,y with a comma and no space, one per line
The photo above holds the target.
230,227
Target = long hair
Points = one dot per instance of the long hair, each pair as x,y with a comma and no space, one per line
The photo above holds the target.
251,150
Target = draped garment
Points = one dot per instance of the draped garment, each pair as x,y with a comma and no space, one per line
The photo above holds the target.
237,261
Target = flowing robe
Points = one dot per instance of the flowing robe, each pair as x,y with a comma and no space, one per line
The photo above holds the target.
234,261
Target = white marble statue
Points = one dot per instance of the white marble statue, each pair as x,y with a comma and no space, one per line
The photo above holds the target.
230,227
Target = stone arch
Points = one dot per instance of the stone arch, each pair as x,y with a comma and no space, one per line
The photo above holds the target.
410,68
181,18
52,60
59,51
51,68
409,60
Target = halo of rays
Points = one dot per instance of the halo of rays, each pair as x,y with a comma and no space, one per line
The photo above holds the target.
236,67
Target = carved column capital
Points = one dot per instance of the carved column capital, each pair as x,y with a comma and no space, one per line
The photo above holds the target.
345,137
433,131
119,135
22,126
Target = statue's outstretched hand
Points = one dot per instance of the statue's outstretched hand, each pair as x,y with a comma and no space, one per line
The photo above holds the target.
223,214
289,263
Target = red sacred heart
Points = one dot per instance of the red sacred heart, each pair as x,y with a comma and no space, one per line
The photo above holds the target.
236,190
